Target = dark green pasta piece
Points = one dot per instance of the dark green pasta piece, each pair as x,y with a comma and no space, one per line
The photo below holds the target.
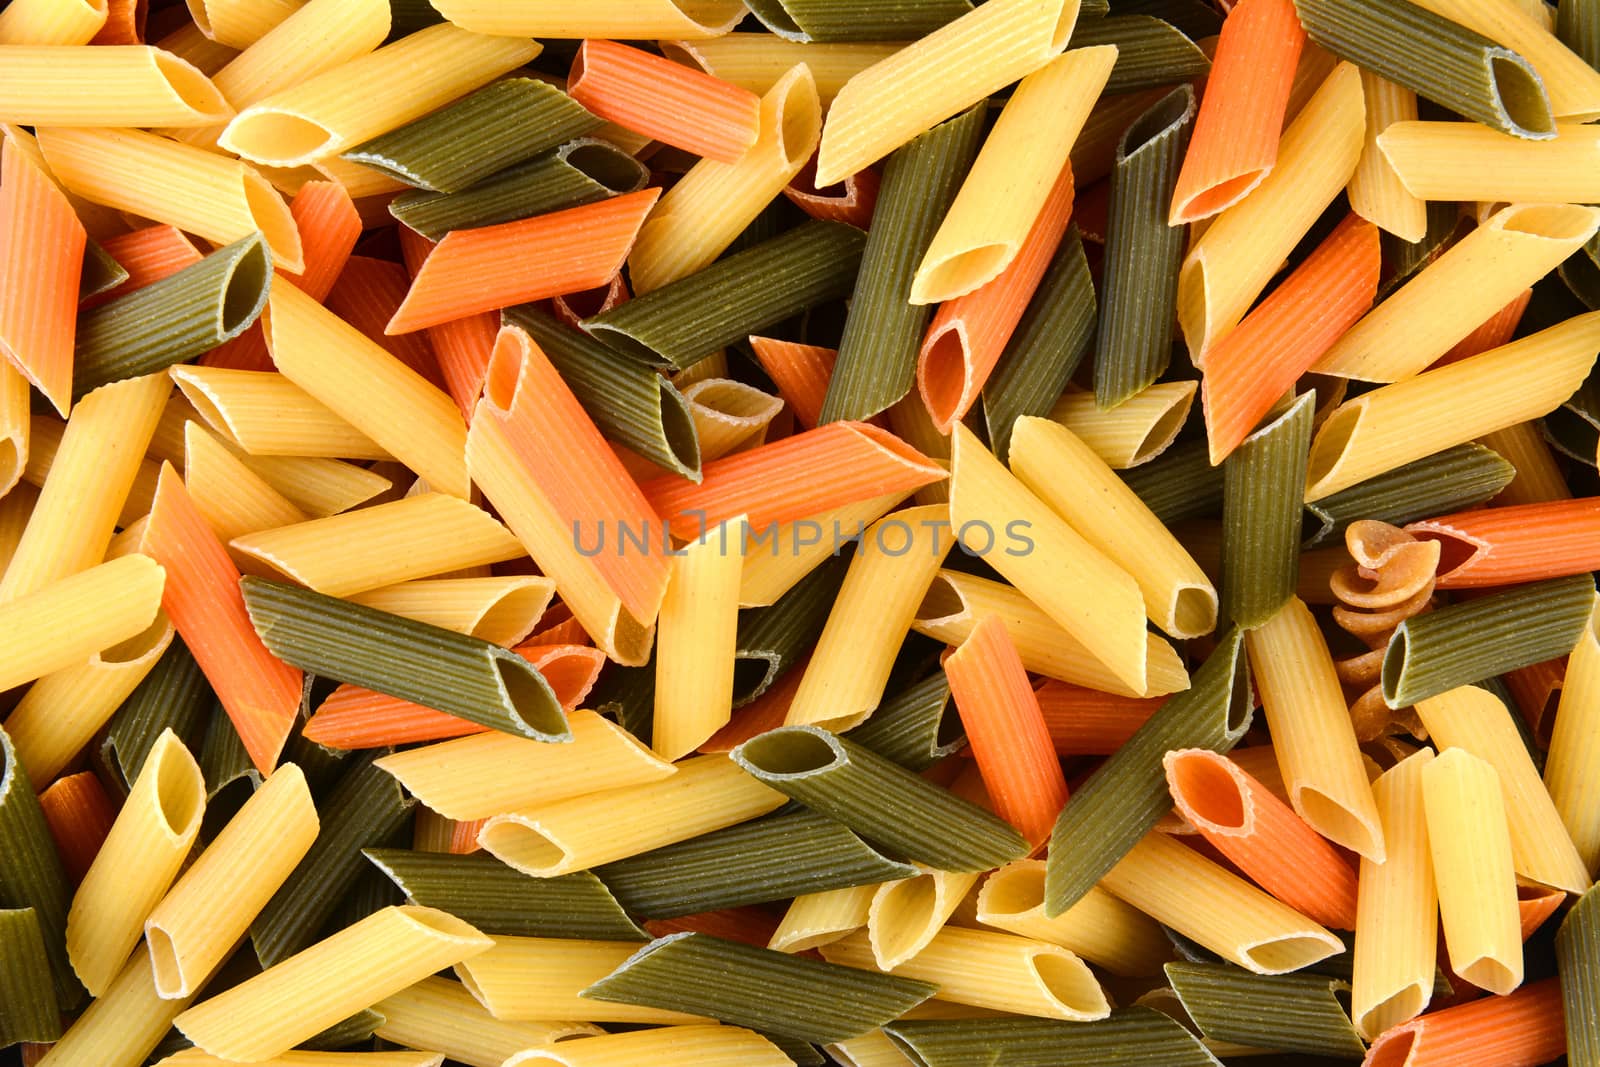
628,696
1436,58
364,810
687,320
343,1034
1574,427
31,875
877,362
1150,51
915,728
497,899
773,858
880,800
1263,482
579,172
801,1053
1122,800
774,638
1468,642
1292,1012
230,775
101,273
502,124
1444,482
175,319
1179,484
372,890
28,1009
1045,349
1195,19
764,990
409,16
173,696
1578,960
1143,253
1137,1037
1578,27
1581,274
629,402
856,20
1402,259
429,665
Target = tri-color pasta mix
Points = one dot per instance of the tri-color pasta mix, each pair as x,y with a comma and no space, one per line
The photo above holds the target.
743,533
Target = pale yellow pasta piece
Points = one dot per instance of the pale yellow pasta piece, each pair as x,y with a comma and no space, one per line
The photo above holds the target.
1178,887
897,557
486,774
756,61
1311,730
1466,161
1099,927
1063,471
45,433
122,1026
369,388
190,43
697,637
1397,908
203,193
956,602
729,416
815,919
700,216
1444,302
141,856
623,19
502,611
706,793
1012,176
1076,584
13,427
774,563
1573,85
929,80
1376,192
1471,850
1134,432
1475,720
240,23
358,180
871,1049
234,500
387,543
437,1013
52,22
993,970
108,85
701,1046
193,1057
335,110
1572,771
61,712
269,1014
907,914
319,486
70,620
539,978
910,421
1227,269
16,505
89,480
1393,425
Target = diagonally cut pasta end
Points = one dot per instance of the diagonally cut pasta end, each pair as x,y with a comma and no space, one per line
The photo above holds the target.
13,459
1520,97
1210,792
1327,469
1400,1006
517,841
1067,981
944,374
956,275
1291,952
180,789
278,138
275,222
1487,972
1194,306
530,698
1192,611
796,115
1339,824
193,88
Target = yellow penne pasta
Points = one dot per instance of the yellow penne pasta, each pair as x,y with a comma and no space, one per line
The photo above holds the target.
13,426
1375,190
61,712
45,433
1413,327
68,621
122,1026
485,774
51,22
501,611
369,388
756,61
992,970
90,478
266,414
1180,888
1471,850
700,216
906,915
1012,176
624,19
705,793
697,637
239,23
382,954
911,422
774,564
1572,771
1466,161
704,1046
234,500
1062,470
189,42
437,1013
897,558
871,1049
109,85
326,114
1311,730
1228,267
1075,584
387,543
320,487
1391,426
1573,85
1137,430
1397,909
1475,720
141,855
1099,927
926,82
815,919
539,978
206,194
193,1057
15,507
729,416
197,924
